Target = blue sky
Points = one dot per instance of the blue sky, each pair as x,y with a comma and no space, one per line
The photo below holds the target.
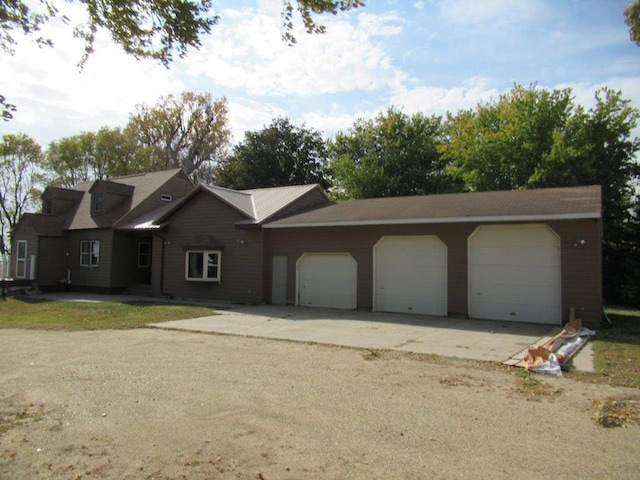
430,56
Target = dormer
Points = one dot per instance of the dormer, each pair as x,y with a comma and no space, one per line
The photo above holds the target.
57,201
106,195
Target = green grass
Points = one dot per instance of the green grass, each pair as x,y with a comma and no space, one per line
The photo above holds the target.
616,350
40,314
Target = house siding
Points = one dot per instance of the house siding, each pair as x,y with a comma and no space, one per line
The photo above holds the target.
98,278
581,266
52,262
23,231
208,222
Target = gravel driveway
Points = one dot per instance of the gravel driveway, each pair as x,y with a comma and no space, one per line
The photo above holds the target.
154,404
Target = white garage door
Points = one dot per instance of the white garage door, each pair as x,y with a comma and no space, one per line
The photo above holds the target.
411,275
514,274
327,280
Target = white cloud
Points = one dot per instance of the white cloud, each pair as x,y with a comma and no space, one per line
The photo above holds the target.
247,53
53,95
437,100
419,5
386,25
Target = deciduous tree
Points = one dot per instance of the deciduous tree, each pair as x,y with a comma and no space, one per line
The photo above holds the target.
189,131
392,155
280,154
632,18
20,164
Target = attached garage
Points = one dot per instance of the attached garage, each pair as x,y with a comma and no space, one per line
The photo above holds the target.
410,275
515,274
327,280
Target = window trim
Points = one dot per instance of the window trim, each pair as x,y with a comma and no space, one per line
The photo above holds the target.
47,207
93,251
21,262
205,277
148,255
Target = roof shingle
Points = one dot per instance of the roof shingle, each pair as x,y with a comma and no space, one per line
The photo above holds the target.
534,204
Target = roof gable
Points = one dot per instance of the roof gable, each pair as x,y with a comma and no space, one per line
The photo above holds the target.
521,205
257,205
137,188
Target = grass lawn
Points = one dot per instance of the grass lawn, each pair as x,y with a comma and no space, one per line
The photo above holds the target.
616,350
42,314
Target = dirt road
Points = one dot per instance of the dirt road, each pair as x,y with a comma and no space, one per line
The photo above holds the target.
152,404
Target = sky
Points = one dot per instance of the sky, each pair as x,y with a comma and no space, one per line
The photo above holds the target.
426,56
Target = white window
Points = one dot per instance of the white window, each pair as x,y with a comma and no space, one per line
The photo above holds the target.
89,253
21,259
144,254
166,197
202,265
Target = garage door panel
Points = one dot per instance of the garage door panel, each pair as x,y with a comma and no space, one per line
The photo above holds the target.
514,274
411,275
327,280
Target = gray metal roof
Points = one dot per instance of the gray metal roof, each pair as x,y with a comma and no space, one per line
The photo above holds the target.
518,205
260,204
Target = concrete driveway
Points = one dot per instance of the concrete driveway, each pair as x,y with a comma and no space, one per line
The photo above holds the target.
488,340
452,337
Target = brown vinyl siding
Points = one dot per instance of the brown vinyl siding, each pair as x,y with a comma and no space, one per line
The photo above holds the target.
52,262
581,268
208,223
581,279
94,277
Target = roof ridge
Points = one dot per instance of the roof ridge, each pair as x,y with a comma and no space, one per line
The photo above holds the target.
243,192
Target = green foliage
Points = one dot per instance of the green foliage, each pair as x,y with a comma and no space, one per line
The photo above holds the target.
307,8
632,18
189,131
395,154
280,154
110,152
6,109
20,164
501,145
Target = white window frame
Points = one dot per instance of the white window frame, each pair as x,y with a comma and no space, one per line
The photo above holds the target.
166,197
205,271
148,255
91,257
21,260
